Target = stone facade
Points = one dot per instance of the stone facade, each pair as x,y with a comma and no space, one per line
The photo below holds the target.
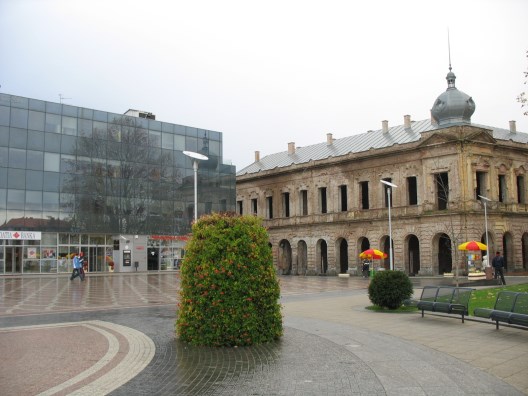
321,214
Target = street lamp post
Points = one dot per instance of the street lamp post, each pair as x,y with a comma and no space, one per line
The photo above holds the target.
388,188
485,200
196,157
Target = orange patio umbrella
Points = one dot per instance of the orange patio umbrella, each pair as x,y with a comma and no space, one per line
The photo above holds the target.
373,254
472,246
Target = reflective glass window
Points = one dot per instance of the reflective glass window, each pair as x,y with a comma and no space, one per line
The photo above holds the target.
114,132
85,127
4,135
19,102
16,199
154,155
35,140
53,123
84,166
68,110
38,105
179,142
167,140
154,125
50,201
68,163
54,108
100,115
33,200
166,127
16,178
100,130
34,180
69,126
19,118
191,143
67,201
3,198
51,162
68,144
36,120
17,158
4,115
191,131
3,177
154,139
35,160
85,113
214,147
3,156
17,138
51,181
52,142
141,122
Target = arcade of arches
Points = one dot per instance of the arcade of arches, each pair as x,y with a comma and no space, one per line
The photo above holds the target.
311,256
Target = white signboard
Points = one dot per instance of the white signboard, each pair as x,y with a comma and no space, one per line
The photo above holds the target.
21,235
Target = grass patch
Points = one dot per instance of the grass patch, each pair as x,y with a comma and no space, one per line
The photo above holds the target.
485,298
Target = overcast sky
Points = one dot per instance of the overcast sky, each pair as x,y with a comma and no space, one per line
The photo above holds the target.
270,72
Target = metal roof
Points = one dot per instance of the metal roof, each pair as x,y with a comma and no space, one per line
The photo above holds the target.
363,142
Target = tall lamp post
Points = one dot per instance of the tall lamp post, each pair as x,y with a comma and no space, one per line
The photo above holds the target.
388,188
485,200
196,157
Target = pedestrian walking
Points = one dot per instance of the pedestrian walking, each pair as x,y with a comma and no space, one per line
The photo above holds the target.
498,265
77,264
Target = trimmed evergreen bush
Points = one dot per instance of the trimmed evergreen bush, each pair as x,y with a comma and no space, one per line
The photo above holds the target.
388,289
229,289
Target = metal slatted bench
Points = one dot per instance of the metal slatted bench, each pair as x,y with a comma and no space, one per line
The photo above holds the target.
444,299
510,307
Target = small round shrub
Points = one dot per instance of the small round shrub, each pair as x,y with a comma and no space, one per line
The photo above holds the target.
229,293
388,289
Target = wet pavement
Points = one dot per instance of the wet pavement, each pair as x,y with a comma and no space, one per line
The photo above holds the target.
114,334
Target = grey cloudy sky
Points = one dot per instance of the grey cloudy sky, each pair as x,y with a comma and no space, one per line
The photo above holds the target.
270,72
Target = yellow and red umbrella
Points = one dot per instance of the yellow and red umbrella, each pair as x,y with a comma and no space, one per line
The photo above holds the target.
373,254
472,246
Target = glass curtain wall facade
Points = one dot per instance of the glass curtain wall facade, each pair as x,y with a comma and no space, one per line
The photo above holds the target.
69,172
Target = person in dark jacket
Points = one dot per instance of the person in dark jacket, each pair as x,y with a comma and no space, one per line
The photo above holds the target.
498,265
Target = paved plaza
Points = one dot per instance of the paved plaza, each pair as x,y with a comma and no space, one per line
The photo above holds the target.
114,334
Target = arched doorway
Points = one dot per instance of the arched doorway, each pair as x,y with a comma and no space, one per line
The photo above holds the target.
363,244
322,256
302,258
413,255
285,257
442,255
491,249
385,242
342,255
524,244
507,246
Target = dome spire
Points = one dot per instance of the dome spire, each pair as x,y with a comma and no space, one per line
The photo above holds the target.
452,106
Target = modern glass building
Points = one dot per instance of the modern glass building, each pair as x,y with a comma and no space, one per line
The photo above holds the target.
114,186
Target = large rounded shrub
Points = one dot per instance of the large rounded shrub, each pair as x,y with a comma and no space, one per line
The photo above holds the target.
388,289
229,289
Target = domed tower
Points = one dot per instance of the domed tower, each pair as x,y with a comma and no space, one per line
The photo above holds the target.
452,106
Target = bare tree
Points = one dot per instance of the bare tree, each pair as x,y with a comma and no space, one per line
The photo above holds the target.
522,96
452,228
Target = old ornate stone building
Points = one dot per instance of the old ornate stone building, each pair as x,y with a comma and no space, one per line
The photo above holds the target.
324,204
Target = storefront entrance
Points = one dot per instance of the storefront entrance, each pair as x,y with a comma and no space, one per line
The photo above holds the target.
13,259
